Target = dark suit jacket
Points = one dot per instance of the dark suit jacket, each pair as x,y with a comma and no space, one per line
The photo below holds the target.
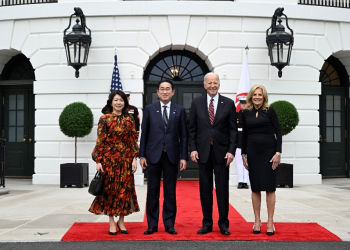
153,134
223,130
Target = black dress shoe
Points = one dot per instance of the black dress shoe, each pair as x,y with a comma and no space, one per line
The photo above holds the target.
170,230
245,186
112,233
151,230
240,185
271,233
225,231
122,231
257,231
205,230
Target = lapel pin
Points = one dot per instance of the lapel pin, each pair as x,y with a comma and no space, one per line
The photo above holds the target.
157,110
222,102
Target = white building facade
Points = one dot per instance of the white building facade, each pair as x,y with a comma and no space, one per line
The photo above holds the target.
215,32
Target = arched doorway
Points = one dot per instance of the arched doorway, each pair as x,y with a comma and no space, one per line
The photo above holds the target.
333,119
17,116
187,71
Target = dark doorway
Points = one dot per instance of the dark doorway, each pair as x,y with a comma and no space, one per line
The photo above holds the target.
187,71
17,116
333,119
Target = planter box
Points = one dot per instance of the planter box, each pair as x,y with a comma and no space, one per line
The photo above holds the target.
284,173
74,174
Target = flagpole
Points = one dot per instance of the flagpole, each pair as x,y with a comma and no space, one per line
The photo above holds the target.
115,50
246,49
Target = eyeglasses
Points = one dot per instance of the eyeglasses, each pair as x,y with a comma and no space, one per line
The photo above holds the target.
164,90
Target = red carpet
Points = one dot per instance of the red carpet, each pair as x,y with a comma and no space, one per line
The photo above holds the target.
188,222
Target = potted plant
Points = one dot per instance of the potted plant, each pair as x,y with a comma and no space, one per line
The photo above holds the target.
288,118
76,120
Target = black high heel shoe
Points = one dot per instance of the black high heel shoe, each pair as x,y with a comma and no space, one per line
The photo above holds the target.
112,233
122,231
256,231
271,233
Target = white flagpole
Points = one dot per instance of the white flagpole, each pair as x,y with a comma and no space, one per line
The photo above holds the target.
244,82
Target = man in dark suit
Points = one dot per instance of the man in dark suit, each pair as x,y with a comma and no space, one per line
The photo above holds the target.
213,141
163,145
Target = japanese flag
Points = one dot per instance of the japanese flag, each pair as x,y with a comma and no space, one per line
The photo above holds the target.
244,83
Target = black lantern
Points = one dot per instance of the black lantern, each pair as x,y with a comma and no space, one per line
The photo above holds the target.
77,43
279,42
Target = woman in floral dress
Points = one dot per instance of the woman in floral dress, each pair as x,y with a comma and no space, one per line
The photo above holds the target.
115,154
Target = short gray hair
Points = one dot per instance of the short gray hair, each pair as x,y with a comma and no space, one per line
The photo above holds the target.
211,73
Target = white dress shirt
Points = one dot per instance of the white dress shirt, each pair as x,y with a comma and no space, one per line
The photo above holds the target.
167,108
215,102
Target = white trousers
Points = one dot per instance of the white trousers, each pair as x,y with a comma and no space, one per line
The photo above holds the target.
242,173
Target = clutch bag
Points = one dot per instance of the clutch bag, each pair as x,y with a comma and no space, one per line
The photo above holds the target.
96,187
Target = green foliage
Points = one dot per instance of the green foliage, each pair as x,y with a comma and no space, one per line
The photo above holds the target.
76,120
288,116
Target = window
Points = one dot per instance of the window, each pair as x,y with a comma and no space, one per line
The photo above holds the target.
176,65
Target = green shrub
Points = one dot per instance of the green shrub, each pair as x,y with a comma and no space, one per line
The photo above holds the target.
288,116
76,120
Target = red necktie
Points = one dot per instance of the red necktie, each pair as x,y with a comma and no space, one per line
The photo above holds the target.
211,116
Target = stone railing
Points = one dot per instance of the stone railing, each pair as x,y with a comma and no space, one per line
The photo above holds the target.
22,2
327,3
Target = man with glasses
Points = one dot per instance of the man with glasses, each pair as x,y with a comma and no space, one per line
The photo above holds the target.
163,146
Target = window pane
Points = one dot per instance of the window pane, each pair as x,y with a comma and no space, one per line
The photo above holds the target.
191,65
197,95
329,134
154,78
337,102
329,102
169,61
12,134
20,118
162,65
157,71
337,135
154,97
329,118
184,61
197,71
198,78
20,101
12,118
12,101
20,134
187,99
337,118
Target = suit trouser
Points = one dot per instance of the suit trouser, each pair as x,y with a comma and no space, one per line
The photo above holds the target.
221,172
154,172
242,173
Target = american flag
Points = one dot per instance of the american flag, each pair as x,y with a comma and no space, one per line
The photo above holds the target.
116,84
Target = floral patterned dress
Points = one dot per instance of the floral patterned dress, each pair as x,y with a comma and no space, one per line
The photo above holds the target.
116,146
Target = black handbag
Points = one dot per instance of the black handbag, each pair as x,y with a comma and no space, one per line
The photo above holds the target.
96,187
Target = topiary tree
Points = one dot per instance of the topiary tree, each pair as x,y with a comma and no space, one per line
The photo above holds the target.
288,116
76,120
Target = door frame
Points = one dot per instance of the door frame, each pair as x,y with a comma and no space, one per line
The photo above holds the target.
343,76
13,85
322,129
